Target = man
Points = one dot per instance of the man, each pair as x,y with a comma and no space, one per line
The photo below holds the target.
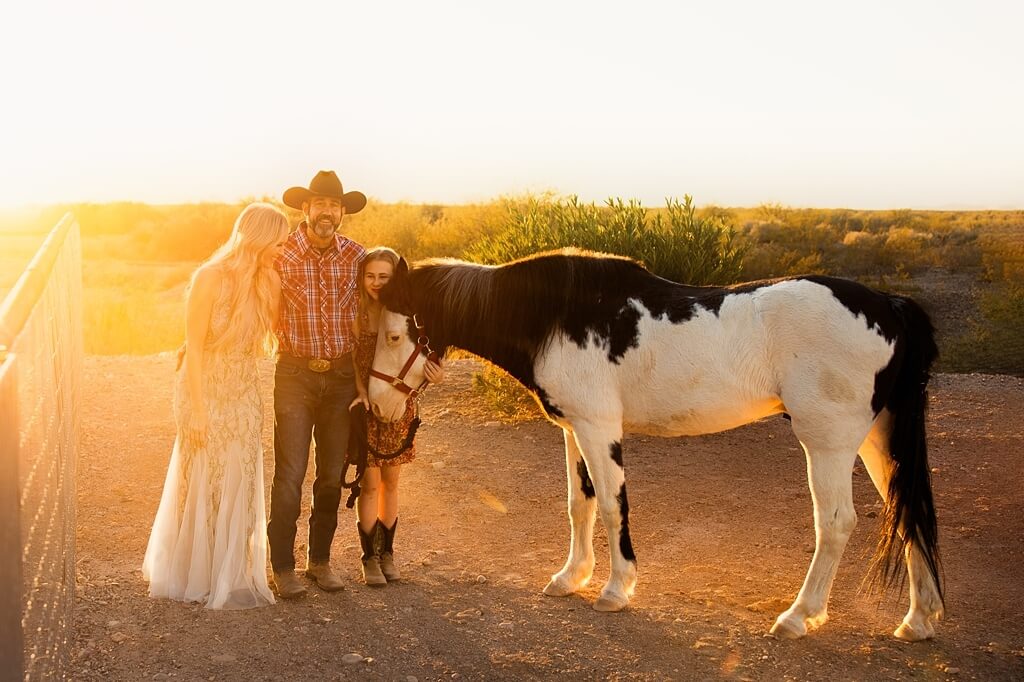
314,383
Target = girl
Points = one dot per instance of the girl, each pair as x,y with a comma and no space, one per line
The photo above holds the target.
209,538
377,504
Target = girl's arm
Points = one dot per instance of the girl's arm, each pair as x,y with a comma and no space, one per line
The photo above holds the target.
361,395
434,371
200,305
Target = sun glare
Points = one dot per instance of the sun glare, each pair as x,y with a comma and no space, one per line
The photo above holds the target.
882,106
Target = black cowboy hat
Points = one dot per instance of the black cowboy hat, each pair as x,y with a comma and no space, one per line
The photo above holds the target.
325,184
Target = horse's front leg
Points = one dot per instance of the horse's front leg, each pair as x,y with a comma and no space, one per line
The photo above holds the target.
601,446
582,506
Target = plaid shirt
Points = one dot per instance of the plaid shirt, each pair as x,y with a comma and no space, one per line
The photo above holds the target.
319,296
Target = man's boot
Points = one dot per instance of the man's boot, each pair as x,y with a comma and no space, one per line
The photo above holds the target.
323,576
371,564
387,552
288,585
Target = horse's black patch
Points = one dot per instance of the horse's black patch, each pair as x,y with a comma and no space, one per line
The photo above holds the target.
862,300
625,543
549,407
617,453
586,485
878,312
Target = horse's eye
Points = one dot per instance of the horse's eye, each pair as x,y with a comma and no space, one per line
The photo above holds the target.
395,338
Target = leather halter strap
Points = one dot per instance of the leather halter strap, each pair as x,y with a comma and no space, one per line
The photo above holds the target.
422,344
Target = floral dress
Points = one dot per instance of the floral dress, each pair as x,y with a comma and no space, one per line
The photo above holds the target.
383,437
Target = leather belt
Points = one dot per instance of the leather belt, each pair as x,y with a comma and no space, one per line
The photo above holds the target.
317,364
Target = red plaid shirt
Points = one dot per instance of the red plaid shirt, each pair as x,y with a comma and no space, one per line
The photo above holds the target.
319,296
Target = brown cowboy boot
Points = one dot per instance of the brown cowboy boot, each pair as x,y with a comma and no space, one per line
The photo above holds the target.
288,585
387,552
323,576
371,565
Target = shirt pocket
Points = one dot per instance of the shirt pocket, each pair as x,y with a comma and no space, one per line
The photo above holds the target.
295,292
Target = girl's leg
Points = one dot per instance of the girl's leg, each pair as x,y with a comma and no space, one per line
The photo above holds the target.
366,524
387,513
366,503
387,505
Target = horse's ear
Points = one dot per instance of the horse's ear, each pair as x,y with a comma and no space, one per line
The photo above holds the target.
403,268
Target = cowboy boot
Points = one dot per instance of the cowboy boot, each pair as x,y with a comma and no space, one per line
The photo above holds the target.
387,552
323,576
288,585
371,564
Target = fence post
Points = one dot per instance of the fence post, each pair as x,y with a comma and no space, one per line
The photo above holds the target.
12,663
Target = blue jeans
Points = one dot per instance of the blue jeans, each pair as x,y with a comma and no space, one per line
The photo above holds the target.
308,403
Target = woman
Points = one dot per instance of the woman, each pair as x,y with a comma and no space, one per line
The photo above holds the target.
377,504
209,538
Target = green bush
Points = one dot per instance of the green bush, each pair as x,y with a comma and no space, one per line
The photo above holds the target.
675,243
994,343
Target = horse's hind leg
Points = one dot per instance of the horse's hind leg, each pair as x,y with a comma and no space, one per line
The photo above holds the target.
830,456
601,446
925,603
582,506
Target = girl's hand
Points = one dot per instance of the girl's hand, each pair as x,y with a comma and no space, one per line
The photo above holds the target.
434,371
361,398
195,429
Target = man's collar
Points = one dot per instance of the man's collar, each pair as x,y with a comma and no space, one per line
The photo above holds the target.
304,244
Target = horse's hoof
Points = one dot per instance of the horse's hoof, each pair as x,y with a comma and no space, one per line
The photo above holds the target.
909,633
556,588
610,604
788,628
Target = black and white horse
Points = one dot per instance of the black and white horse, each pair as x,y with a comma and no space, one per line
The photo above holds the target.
609,348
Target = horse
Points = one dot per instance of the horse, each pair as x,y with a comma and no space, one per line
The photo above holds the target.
608,348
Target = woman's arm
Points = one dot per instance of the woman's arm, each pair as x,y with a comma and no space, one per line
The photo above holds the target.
275,299
200,305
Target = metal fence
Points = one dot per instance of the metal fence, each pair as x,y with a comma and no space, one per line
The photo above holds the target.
41,355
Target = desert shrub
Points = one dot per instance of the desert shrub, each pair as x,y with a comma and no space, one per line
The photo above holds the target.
506,397
995,341
458,228
675,243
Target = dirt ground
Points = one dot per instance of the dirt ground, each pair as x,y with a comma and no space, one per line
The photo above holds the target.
721,525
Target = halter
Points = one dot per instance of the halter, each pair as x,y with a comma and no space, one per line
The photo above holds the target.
422,344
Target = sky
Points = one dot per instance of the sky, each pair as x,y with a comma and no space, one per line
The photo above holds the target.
871,105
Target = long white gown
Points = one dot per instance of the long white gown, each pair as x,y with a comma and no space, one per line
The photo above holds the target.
209,539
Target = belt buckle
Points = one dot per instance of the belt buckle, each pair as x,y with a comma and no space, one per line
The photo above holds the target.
318,365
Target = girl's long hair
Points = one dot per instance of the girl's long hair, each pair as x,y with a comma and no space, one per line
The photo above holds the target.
251,306
378,253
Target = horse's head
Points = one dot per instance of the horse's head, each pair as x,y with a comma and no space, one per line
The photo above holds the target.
402,349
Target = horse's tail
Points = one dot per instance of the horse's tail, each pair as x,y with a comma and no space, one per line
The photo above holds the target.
910,510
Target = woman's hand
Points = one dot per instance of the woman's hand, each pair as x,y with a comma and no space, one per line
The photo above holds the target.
434,371
195,429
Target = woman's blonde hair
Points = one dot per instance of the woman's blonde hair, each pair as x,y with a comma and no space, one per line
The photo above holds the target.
251,309
378,253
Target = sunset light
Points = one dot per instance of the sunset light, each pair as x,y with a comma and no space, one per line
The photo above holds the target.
873,105
500,341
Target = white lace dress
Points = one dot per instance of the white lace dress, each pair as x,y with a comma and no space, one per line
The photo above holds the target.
209,539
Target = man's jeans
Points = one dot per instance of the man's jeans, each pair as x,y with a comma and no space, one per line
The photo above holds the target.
308,403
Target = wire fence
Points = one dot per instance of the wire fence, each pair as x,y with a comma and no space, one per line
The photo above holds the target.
41,354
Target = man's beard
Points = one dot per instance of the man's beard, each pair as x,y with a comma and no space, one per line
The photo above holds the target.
324,226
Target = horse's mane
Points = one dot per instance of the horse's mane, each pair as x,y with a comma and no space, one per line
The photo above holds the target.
508,313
